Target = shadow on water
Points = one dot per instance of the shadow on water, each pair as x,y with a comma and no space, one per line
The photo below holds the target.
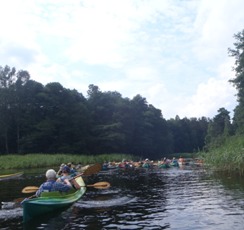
175,198
48,221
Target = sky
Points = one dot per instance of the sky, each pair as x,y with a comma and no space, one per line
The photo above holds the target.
174,53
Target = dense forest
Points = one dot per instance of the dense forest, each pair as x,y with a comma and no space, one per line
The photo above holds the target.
53,119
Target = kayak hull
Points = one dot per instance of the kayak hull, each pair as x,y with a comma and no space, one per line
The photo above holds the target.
174,164
164,166
11,176
51,201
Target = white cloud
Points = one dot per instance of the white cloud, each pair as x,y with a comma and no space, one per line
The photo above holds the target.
173,53
216,23
212,95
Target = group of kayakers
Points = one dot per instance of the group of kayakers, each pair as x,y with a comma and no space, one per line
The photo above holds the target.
60,180
162,163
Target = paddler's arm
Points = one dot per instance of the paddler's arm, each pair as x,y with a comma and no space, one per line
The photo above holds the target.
67,182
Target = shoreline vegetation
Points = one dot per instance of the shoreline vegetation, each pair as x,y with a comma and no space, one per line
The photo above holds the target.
228,157
39,160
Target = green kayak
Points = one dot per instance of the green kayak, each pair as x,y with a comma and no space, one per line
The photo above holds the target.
51,201
163,166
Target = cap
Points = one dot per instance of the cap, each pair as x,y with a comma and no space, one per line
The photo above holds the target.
66,169
50,174
62,165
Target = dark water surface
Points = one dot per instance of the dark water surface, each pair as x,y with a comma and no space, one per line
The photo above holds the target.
175,198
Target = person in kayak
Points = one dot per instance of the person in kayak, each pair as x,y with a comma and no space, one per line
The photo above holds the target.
65,175
52,185
73,171
59,173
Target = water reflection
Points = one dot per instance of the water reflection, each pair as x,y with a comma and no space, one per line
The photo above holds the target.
187,198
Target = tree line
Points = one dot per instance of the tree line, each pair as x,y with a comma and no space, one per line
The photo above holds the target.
53,119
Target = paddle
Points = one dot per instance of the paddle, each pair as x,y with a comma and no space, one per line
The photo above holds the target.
98,185
19,200
93,169
30,189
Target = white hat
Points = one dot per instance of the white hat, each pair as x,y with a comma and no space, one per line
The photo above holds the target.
50,174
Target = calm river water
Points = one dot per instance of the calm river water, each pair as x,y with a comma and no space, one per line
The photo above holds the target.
176,198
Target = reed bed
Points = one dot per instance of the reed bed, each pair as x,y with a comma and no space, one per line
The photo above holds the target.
229,157
46,160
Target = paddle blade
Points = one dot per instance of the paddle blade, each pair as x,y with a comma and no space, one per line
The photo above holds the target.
93,169
19,200
100,185
29,189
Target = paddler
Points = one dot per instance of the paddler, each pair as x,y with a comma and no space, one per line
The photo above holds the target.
52,185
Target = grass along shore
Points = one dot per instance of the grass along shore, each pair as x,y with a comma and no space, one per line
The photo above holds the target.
229,157
39,160
14,161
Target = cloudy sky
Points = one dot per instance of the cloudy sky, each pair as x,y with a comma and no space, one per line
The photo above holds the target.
171,52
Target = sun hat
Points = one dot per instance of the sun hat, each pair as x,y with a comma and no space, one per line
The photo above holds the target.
50,174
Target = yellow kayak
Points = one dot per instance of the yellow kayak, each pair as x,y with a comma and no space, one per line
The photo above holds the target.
11,176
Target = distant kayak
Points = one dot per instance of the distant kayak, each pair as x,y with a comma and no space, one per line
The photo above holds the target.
174,163
164,166
11,176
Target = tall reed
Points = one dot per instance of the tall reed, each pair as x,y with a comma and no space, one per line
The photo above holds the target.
229,157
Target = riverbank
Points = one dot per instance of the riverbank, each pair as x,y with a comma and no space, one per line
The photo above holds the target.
39,160
15,161
229,157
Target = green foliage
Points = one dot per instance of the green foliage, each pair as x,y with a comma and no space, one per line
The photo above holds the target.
219,128
238,81
54,160
188,135
224,141
52,119
11,83
229,156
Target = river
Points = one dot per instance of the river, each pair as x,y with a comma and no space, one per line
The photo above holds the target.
176,198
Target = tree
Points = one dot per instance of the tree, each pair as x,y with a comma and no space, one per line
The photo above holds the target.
219,128
149,134
105,131
188,134
238,81
11,84
62,126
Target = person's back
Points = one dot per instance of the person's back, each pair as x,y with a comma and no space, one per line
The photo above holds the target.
73,171
52,185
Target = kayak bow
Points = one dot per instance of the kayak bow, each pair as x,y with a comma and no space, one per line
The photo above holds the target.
51,201
11,176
